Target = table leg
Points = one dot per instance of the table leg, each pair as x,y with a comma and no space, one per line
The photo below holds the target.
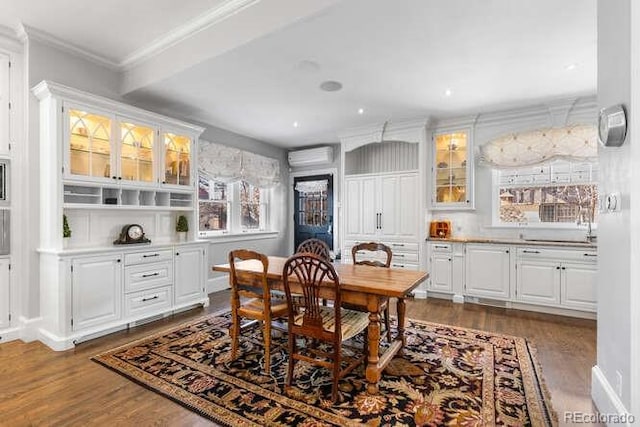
402,309
373,373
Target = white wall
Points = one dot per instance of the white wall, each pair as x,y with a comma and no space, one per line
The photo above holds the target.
488,126
617,169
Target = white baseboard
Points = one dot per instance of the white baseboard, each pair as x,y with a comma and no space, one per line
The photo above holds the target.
420,294
458,299
29,328
10,334
217,284
605,398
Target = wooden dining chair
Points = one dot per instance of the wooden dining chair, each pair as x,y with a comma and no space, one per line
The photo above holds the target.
257,307
315,279
315,246
372,248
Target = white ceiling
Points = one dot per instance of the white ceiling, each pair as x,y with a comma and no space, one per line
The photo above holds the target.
395,59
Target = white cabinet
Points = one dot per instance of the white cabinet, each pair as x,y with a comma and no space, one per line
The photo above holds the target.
4,104
441,271
189,273
578,286
5,320
96,288
452,169
537,281
557,277
382,207
487,271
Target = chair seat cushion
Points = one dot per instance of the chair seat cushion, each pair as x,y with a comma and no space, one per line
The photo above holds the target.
254,308
352,322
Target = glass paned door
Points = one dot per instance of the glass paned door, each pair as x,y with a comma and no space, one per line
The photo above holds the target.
313,209
451,167
136,152
177,159
89,144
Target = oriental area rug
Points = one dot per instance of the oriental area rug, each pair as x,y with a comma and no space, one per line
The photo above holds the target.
446,376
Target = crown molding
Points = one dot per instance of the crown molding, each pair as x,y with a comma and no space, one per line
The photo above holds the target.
412,131
183,32
46,89
53,41
10,39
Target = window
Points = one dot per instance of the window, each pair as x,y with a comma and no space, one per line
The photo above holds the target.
231,208
556,194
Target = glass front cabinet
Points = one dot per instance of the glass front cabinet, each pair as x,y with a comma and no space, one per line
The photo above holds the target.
104,147
452,167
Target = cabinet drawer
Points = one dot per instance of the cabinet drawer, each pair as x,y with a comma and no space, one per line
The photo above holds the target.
404,265
404,257
149,301
587,255
146,276
147,257
402,246
441,247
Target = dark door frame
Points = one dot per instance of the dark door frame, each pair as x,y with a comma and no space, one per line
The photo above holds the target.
336,202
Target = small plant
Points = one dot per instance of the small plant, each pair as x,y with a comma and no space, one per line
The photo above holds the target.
66,230
182,224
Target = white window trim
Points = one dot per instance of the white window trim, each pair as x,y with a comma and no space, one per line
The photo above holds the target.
234,226
495,214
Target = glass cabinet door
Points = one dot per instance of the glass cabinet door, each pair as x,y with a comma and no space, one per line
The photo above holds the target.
451,169
177,159
89,144
136,152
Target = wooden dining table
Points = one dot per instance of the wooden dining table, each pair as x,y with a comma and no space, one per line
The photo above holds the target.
366,286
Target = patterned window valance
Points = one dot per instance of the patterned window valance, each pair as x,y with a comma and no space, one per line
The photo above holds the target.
312,186
226,164
577,142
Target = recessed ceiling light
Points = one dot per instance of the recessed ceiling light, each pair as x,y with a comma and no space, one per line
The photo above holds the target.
330,86
570,67
360,110
295,124
447,92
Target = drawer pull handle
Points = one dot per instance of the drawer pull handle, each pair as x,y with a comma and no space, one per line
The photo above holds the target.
149,299
440,247
151,275
150,256
398,244
590,254
398,265
530,252
399,255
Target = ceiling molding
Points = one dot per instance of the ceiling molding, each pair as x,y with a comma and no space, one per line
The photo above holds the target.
53,41
10,39
202,22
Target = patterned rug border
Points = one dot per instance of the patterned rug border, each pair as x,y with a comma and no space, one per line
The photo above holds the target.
538,385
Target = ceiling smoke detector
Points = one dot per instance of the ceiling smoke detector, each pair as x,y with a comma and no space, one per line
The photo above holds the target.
331,86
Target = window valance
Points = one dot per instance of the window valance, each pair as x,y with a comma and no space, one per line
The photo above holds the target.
312,186
227,164
577,143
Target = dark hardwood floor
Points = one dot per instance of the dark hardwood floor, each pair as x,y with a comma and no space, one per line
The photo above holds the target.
43,387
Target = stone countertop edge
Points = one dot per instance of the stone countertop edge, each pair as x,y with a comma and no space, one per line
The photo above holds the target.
587,245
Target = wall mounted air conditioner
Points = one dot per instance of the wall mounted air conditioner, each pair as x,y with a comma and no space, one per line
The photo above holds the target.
311,157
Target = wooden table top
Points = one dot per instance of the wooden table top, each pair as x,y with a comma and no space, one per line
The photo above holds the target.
389,282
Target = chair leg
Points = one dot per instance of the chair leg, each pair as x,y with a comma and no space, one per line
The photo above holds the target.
292,360
336,376
235,334
266,331
387,322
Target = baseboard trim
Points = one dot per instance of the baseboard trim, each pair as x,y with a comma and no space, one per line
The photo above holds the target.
10,334
29,328
217,284
605,398
420,294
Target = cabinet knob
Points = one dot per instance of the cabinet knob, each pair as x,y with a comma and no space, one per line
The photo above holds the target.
558,268
449,259
114,177
564,268
507,251
119,177
177,253
118,260
164,182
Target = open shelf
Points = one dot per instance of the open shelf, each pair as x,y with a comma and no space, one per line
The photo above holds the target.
108,196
